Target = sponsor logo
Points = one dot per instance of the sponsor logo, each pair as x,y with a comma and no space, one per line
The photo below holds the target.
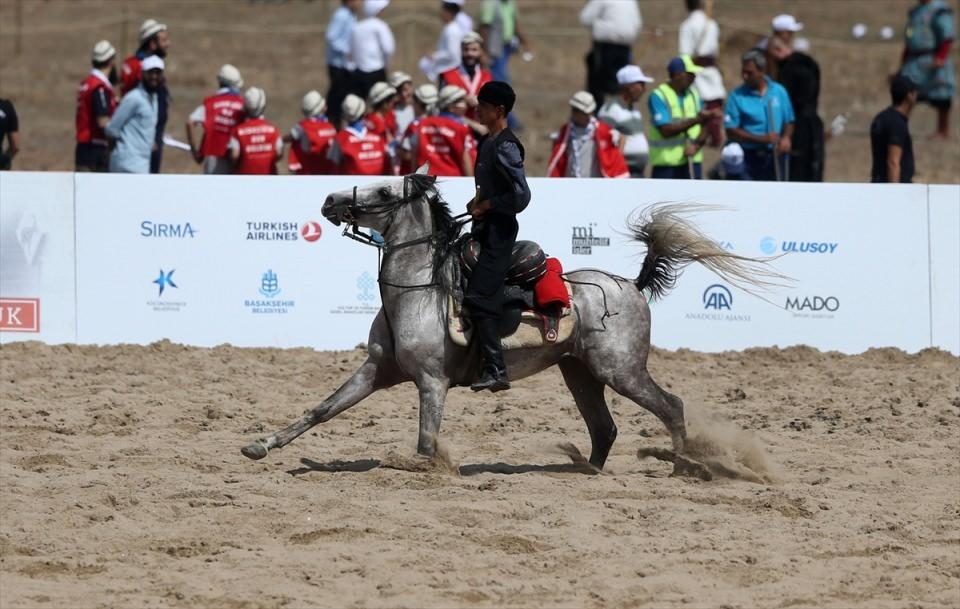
19,314
717,301
814,307
270,304
366,298
309,231
583,240
30,235
163,281
164,230
768,245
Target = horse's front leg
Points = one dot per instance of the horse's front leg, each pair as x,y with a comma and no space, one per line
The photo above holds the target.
433,393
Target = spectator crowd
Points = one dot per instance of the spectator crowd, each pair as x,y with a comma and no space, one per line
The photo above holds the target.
372,120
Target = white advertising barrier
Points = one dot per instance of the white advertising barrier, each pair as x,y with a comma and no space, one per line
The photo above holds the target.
205,260
37,264
945,267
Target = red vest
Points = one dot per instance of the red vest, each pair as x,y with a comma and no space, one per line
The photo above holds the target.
258,147
364,155
88,131
459,77
442,141
130,74
222,112
319,133
612,163
408,167
384,126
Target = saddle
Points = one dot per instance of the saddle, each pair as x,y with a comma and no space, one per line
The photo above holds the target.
525,322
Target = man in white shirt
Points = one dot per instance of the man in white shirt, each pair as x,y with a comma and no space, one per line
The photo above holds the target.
622,114
614,26
700,38
447,55
371,47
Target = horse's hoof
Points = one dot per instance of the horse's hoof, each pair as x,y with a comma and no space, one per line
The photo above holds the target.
255,451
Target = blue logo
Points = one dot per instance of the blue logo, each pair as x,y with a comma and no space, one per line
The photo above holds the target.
269,284
161,229
717,297
164,280
768,245
365,283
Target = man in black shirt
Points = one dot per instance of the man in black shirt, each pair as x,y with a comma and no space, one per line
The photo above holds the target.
890,139
800,75
502,193
9,131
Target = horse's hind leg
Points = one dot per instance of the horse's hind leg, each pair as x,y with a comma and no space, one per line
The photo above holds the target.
642,389
588,393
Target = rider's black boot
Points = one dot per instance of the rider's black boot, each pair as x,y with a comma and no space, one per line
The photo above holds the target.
494,377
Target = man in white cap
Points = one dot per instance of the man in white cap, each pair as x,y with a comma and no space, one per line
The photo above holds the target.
381,121
217,116
621,112
134,124
469,75
699,37
355,150
447,54
371,47
731,166
585,147
96,103
425,99
403,110
444,141
310,139
784,27
255,144
154,40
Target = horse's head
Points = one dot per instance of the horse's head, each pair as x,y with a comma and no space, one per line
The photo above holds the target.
374,206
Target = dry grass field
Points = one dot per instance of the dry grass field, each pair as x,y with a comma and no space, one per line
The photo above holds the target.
279,46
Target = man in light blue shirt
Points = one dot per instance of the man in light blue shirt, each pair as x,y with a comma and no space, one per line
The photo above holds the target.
134,124
338,50
759,116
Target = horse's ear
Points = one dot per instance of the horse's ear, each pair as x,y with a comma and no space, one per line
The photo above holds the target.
423,169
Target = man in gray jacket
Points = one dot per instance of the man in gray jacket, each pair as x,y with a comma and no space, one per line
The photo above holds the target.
133,126
622,114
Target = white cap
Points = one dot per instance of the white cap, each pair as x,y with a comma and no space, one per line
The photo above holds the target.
471,37
630,74
380,92
153,62
254,101
427,94
450,95
457,2
353,108
786,23
732,158
312,104
229,76
372,8
150,27
583,101
398,79
103,52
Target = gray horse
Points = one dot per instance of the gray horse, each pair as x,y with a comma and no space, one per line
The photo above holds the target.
409,342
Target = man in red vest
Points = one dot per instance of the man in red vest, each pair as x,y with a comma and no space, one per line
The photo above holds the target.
255,144
310,139
355,149
381,119
470,75
154,40
95,105
586,147
217,116
444,140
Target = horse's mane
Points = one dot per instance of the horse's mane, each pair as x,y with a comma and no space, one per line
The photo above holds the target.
446,229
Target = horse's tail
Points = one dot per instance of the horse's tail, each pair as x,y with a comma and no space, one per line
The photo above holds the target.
673,242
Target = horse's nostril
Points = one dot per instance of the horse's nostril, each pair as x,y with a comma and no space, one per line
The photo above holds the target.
328,203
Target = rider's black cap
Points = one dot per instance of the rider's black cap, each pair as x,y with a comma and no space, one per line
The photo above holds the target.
498,93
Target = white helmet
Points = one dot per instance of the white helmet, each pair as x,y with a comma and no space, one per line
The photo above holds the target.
353,108
313,104
229,76
426,94
103,52
381,92
450,95
254,102
149,28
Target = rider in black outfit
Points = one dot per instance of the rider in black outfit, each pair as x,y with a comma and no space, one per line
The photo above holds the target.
502,193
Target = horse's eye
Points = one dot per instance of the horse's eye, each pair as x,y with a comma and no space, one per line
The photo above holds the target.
385,193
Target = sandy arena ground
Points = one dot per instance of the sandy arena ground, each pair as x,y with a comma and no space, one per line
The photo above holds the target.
123,486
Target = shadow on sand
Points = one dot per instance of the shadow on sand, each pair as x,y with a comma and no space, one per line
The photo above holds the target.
365,465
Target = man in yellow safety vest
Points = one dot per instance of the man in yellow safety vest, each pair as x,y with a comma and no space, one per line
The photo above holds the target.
676,117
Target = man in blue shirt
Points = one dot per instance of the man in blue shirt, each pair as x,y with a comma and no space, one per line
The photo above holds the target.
338,47
134,124
759,116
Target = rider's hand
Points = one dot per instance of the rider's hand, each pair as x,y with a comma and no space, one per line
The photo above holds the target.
481,208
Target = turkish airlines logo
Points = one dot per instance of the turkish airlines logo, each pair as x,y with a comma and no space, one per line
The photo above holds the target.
19,314
310,231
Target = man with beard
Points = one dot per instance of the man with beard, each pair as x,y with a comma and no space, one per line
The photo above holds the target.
134,124
800,75
469,75
154,40
96,103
